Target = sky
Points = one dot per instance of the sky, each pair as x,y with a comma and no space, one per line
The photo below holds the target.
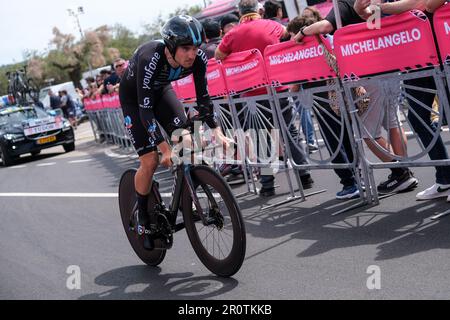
28,24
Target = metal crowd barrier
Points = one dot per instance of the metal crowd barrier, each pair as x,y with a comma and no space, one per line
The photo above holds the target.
388,59
399,58
106,118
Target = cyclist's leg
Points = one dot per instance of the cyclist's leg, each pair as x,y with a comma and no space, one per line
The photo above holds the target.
169,112
148,158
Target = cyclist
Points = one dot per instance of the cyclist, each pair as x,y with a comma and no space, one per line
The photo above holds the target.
147,96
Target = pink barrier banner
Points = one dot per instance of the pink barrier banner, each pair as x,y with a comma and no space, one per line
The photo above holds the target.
290,62
106,100
216,80
95,104
441,22
111,101
186,88
404,42
245,71
87,104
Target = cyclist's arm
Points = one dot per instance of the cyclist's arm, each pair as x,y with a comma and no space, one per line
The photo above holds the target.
145,96
204,103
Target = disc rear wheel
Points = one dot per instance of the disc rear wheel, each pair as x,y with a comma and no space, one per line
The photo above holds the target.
128,205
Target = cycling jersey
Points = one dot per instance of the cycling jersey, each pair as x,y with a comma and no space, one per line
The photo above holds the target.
146,95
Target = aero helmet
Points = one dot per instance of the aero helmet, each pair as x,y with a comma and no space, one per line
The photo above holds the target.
182,30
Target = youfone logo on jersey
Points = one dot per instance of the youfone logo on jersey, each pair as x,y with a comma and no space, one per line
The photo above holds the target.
150,70
202,55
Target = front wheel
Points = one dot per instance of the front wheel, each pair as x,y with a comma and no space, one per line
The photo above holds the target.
128,205
221,243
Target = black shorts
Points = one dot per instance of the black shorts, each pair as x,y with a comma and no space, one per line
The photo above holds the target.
168,112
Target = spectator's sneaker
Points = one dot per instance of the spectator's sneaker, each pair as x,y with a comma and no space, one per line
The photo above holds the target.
346,193
435,191
265,193
312,148
307,181
402,183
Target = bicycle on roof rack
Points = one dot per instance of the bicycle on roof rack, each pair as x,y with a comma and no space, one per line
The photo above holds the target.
23,89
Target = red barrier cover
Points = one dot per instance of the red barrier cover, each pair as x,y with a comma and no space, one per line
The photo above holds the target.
97,103
87,104
185,88
111,101
441,22
245,71
403,42
289,62
216,80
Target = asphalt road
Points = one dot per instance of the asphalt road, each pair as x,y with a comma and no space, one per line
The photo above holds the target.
296,251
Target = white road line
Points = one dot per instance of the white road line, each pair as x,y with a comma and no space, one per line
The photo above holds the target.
18,167
46,164
58,195
81,161
81,195
112,154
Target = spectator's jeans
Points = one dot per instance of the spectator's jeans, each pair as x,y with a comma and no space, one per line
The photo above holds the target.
346,153
307,124
438,152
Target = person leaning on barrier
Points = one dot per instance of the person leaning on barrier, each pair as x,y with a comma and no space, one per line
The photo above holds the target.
292,28
255,32
442,186
112,83
331,127
400,179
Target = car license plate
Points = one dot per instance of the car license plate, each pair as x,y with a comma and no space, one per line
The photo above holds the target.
46,140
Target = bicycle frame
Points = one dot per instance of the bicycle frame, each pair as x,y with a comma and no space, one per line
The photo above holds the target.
182,175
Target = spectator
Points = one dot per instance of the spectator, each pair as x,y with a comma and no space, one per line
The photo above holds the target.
69,108
313,13
415,97
254,32
261,10
273,11
55,101
212,32
401,179
293,27
112,81
329,123
228,22
120,65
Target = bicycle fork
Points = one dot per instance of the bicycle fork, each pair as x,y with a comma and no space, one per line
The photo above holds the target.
206,219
